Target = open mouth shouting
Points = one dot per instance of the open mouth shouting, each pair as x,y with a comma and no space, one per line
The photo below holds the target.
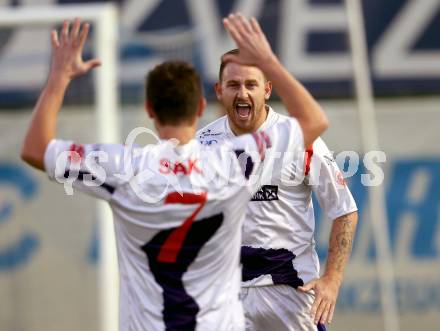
243,110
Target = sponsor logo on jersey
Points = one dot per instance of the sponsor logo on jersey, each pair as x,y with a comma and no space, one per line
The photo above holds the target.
208,133
209,142
179,167
266,193
207,137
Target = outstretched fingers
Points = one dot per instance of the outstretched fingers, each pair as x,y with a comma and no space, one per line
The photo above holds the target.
83,35
231,27
65,33
239,28
92,64
250,40
75,30
54,39
75,36
256,26
243,23
67,56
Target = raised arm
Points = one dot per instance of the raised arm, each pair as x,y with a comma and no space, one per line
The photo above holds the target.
254,49
66,64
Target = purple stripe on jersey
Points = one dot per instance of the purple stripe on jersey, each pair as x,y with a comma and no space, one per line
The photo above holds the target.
180,309
275,262
321,327
110,189
249,163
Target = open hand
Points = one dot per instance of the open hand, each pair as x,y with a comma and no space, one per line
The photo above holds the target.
326,293
67,62
254,49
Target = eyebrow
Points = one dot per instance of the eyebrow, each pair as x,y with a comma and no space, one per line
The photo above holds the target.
238,81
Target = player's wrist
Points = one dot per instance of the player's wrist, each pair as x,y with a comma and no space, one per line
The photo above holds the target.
59,81
333,277
268,63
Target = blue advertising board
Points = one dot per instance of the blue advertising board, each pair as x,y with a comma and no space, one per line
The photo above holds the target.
309,36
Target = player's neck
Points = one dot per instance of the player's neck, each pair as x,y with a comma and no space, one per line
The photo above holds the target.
183,133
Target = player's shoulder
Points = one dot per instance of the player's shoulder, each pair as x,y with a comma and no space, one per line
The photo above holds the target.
321,153
276,119
213,132
212,129
111,149
281,126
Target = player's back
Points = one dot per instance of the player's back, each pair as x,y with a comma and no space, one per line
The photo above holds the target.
178,214
178,224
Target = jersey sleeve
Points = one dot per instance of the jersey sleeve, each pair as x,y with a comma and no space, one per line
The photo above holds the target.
327,181
96,169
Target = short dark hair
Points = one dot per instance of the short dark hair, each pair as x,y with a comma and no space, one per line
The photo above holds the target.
223,64
174,90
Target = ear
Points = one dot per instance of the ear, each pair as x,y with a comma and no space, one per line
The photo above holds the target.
267,89
149,109
202,106
218,90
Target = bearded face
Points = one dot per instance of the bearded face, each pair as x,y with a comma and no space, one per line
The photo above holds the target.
243,92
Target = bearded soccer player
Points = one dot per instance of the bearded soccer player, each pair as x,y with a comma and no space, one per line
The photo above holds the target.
177,206
281,287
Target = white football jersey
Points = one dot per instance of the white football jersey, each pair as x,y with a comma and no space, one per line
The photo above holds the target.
278,244
178,213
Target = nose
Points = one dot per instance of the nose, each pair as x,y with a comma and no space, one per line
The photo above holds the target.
242,92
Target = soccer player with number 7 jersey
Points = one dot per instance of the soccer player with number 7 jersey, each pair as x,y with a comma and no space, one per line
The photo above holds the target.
178,206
